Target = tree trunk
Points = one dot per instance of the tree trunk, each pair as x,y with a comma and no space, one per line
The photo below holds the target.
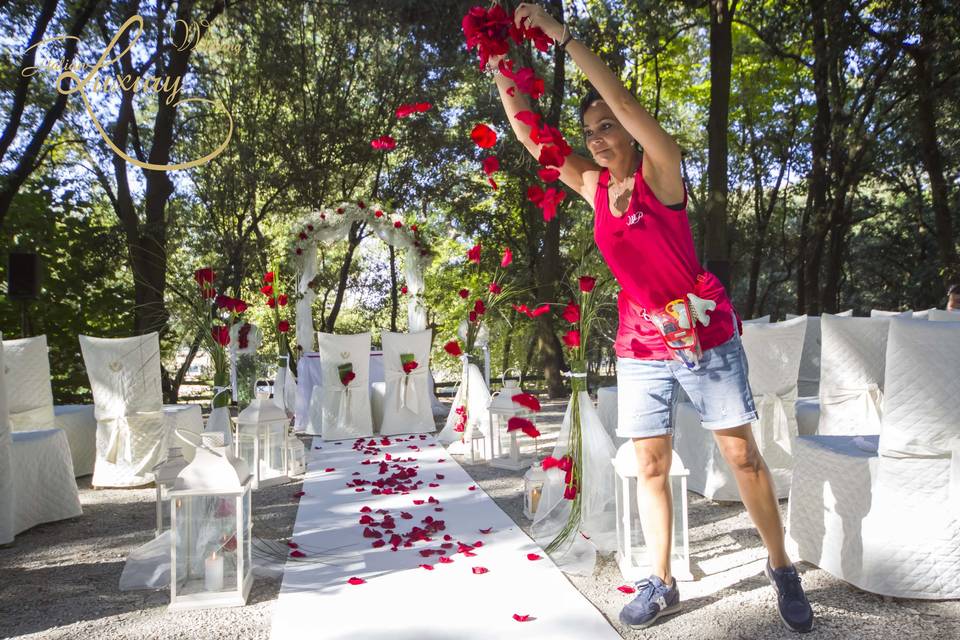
716,249
930,154
819,147
353,241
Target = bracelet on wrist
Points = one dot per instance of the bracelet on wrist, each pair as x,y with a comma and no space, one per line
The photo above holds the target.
563,45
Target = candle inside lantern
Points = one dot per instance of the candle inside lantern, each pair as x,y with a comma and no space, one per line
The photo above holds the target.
535,497
213,573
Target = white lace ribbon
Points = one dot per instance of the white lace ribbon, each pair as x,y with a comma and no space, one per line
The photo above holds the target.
867,400
343,406
774,423
407,383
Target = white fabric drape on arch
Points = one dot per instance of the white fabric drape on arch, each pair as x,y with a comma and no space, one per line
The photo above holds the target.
328,225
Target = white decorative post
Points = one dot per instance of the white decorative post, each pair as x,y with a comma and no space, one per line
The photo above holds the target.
631,551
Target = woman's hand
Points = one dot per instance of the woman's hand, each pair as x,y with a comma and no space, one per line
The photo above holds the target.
536,16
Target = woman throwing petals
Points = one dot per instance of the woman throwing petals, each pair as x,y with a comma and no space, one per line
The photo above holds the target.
676,322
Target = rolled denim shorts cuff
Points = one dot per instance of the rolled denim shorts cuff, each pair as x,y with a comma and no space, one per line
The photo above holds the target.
653,434
729,423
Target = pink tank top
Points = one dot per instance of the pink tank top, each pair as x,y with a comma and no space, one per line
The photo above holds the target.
650,252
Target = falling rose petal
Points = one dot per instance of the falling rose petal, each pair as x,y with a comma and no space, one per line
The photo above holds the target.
626,589
528,118
483,136
533,556
428,567
491,165
521,618
486,531
357,581
493,183
548,175
297,554
480,570
384,143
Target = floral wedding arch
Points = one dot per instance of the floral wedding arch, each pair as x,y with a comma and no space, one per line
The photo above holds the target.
330,225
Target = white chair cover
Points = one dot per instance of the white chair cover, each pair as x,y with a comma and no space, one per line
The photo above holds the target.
80,424
851,383
598,514
407,406
890,523
773,353
761,320
7,531
808,382
880,313
29,394
134,430
472,393
940,315
923,315
345,409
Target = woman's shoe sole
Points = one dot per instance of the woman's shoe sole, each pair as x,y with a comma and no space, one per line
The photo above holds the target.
660,614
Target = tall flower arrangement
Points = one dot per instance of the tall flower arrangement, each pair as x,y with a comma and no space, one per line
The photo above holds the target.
480,298
214,314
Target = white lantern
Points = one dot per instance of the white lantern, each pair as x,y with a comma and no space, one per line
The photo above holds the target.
631,550
164,476
476,442
533,481
505,453
296,454
210,525
261,441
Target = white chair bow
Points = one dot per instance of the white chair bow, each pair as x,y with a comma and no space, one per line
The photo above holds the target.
865,402
775,423
407,398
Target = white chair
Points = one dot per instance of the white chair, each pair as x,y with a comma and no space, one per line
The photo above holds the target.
889,522
880,313
923,315
134,429
808,383
851,380
345,409
36,475
940,315
30,401
761,320
407,406
773,354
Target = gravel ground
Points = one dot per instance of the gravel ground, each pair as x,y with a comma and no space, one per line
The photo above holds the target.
59,580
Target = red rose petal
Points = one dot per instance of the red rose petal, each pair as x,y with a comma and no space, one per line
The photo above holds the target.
472,488
299,494
446,560
533,556
486,531
365,509
329,469
297,554
521,618
378,543
626,589
428,567
293,545
480,570
439,475
357,581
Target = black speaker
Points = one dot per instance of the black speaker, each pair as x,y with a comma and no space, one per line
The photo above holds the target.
23,276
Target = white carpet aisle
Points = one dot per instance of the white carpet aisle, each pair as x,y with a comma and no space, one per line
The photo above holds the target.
400,598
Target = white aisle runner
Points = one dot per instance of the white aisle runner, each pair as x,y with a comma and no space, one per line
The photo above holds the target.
400,598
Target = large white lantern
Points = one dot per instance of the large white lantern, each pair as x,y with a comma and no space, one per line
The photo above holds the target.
261,441
163,477
631,551
533,481
210,525
505,446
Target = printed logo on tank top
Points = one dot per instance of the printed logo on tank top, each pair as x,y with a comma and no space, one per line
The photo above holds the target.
634,218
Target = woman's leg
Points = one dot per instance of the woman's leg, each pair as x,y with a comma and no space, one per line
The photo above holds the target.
753,477
654,501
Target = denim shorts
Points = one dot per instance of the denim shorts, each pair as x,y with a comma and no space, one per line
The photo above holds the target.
719,389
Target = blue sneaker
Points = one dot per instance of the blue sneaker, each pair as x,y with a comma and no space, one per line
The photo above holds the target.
795,610
654,599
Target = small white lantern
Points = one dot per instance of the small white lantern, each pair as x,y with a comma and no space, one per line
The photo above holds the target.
261,441
631,551
476,442
163,477
210,525
533,481
296,454
505,452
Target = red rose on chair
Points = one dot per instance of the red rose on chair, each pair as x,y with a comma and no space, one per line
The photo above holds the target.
348,377
410,366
